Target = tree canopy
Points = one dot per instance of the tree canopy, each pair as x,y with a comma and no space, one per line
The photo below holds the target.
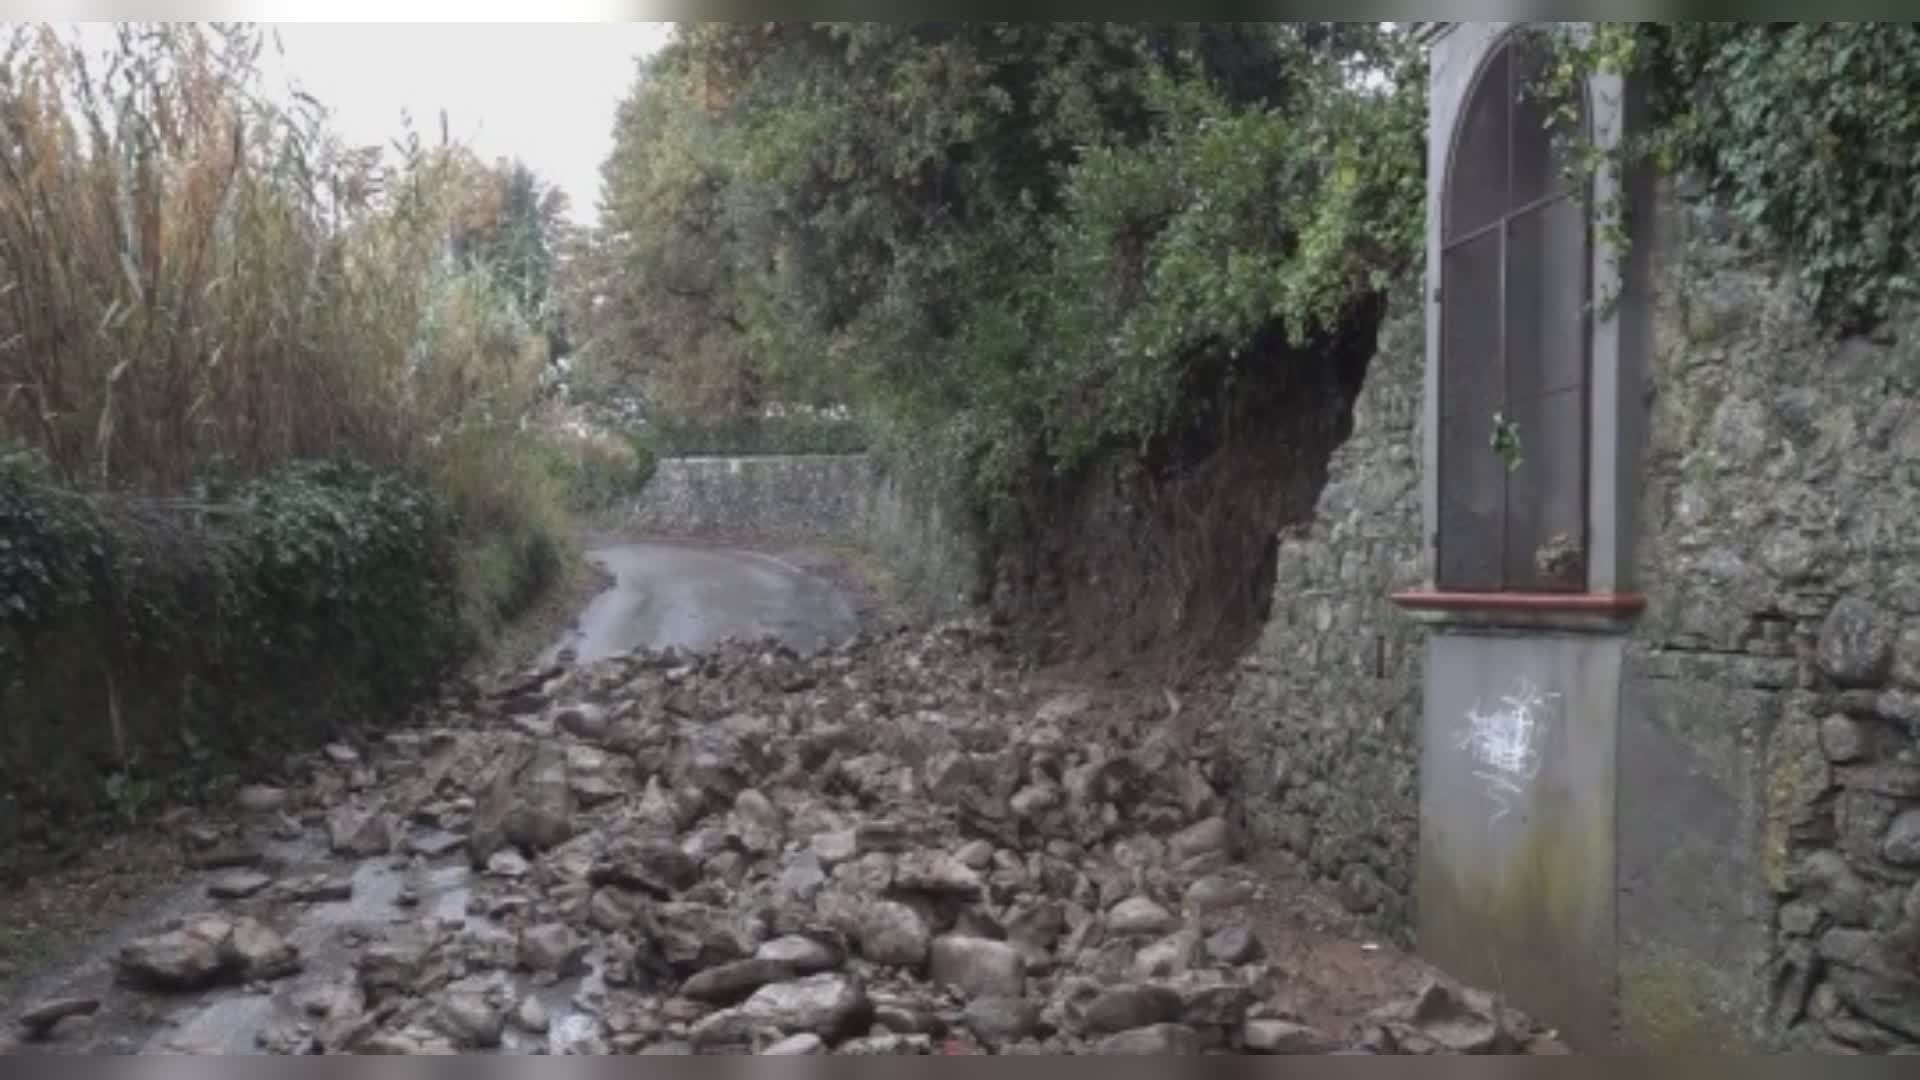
1011,244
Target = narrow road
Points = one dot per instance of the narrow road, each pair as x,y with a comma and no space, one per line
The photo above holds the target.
672,596
663,596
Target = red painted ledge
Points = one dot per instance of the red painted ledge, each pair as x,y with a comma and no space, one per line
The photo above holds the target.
1528,602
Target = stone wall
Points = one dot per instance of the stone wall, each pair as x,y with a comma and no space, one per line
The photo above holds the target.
1327,712
1768,814
843,500
789,497
1770,773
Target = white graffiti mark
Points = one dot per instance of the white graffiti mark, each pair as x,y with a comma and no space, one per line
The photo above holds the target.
1505,743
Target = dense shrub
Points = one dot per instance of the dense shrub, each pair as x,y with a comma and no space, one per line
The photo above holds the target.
138,635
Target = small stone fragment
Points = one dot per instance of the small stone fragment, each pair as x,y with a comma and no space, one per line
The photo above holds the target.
238,884
1285,1037
531,1016
895,934
38,1022
800,1045
1139,917
1160,1040
978,967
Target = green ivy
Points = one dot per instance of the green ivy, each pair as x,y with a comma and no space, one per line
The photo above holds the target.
316,596
1806,134
47,545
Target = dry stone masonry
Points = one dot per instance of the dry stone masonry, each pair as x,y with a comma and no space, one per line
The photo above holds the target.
1769,793
1328,711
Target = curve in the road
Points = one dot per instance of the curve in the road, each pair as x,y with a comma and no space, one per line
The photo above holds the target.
675,596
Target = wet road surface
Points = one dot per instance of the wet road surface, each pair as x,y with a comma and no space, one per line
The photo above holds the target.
667,595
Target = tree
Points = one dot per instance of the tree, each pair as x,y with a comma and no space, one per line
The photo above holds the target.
1016,243
508,225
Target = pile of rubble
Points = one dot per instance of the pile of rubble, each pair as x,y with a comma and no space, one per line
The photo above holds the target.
894,847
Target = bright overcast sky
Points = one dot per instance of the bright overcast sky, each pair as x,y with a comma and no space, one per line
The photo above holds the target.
542,92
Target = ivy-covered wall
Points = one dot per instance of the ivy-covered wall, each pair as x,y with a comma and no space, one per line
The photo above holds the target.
144,643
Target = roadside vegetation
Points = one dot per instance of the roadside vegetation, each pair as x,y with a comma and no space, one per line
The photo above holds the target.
275,414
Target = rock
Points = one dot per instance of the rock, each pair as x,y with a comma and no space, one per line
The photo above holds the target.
1215,1003
341,754
836,847
796,1046
1285,1037
831,1006
524,801
1135,1005
1458,1021
1208,837
1139,917
38,1022
729,983
1902,845
552,948
319,889
360,830
531,1016
397,960
653,866
262,799
256,952
202,837
1172,955
1160,1040
434,843
471,1019
887,1045
611,910
238,884
894,934
802,879
188,958
1234,945
540,815
997,1021
1855,646
577,1035
937,874
803,954
1842,739
978,967
1216,892
508,864
584,721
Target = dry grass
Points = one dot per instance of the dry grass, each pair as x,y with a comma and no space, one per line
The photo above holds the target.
194,279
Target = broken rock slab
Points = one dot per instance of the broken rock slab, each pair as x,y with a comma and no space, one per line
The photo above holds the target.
830,1006
204,951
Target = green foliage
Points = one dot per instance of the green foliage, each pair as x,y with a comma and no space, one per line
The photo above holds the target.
47,546
1009,245
318,595
1806,134
340,559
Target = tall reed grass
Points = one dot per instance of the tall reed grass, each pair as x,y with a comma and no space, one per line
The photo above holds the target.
195,276
200,281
